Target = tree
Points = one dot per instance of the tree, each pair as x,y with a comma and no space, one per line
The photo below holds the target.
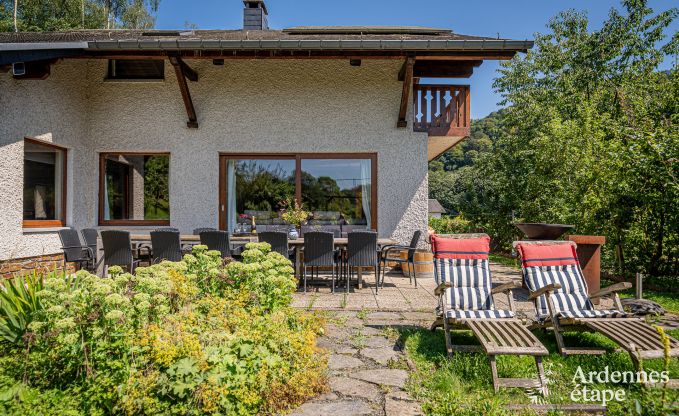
56,15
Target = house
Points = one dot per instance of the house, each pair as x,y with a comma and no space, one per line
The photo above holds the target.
435,209
138,129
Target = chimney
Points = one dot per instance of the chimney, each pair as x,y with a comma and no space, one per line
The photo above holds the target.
255,15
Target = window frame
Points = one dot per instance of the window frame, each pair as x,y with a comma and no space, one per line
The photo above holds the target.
102,171
27,224
297,157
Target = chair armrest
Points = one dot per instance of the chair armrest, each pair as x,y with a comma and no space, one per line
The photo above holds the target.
546,289
385,250
505,287
611,289
441,288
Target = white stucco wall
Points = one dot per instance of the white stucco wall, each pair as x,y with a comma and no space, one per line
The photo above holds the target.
244,106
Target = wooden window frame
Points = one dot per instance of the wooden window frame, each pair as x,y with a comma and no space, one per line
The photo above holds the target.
297,157
64,193
102,171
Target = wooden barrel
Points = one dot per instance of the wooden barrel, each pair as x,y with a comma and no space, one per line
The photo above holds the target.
424,263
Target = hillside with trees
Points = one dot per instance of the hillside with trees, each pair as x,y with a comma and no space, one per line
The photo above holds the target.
589,135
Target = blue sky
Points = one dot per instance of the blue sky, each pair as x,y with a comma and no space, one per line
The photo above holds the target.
514,19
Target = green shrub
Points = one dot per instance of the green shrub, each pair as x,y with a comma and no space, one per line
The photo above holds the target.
191,337
18,304
451,225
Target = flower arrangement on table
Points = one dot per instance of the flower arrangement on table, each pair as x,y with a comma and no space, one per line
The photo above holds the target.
294,213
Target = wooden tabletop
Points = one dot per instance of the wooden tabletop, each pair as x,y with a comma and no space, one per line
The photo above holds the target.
190,238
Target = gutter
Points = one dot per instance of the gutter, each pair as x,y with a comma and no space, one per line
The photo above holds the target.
277,44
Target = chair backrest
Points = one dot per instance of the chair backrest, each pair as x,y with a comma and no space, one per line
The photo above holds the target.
217,240
167,229
412,248
319,248
197,231
166,245
90,235
72,246
362,248
117,247
547,262
463,262
277,239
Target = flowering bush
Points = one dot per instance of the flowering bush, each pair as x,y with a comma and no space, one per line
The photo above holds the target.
191,337
294,213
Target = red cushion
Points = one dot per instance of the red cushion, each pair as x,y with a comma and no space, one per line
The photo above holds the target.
547,254
460,248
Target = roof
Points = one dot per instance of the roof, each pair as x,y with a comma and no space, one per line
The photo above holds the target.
304,38
436,207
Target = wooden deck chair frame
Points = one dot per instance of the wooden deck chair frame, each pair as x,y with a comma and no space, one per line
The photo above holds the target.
497,336
633,335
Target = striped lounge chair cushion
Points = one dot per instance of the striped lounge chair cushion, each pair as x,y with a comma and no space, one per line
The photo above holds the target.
464,264
495,313
557,263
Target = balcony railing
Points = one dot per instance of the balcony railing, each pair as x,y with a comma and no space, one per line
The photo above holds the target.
441,110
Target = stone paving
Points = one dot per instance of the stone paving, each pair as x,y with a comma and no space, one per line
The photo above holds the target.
367,368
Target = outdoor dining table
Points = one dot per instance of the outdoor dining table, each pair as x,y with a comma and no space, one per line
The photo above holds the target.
298,243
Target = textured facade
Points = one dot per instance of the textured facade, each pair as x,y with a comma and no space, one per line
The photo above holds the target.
244,106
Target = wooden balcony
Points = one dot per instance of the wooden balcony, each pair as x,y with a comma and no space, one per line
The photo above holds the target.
443,112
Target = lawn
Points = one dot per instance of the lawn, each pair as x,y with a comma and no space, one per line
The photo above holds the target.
462,385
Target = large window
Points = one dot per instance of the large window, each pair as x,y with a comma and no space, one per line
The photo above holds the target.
44,184
136,69
134,189
338,189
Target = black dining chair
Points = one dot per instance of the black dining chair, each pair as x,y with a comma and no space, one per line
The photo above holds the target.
362,252
278,241
167,229
165,245
197,231
218,240
409,261
118,250
319,251
90,236
74,250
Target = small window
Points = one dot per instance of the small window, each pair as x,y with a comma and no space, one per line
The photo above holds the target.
134,189
44,184
136,69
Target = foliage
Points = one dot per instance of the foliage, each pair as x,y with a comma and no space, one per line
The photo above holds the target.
590,137
451,225
52,15
191,337
156,187
294,213
18,305
462,385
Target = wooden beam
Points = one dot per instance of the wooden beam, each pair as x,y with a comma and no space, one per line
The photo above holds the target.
444,69
405,94
498,56
184,88
190,74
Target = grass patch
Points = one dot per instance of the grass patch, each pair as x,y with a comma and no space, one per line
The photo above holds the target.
505,260
463,385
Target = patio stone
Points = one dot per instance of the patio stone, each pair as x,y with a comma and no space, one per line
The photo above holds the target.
399,403
343,362
368,331
380,355
355,388
393,316
419,316
378,342
337,332
382,376
339,408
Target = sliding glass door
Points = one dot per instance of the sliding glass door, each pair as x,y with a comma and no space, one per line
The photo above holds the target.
339,190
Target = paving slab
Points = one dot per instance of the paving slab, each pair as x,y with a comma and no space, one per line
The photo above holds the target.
345,407
382,376
343,362
346,386
380,355
399,403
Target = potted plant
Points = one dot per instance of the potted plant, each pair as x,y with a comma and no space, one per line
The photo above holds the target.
295,215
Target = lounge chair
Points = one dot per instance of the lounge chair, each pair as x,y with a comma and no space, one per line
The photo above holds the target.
466,302
552,273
